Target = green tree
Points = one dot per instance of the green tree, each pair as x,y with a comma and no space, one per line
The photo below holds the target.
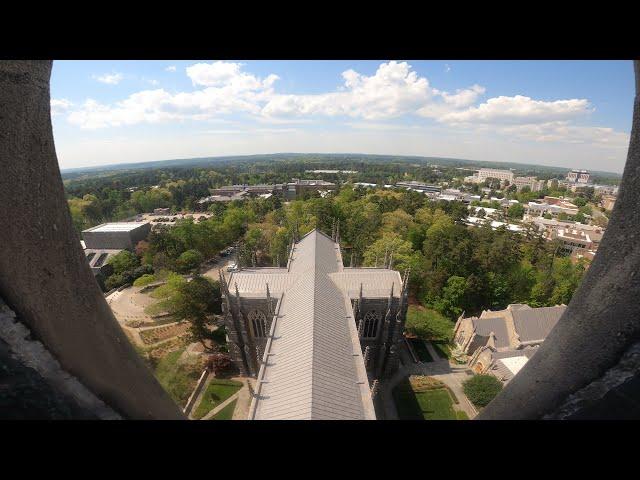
196,302
515,211
123,261
451,302
189,260
481,389
429,324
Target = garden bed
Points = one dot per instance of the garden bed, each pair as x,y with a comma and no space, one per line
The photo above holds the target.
155,335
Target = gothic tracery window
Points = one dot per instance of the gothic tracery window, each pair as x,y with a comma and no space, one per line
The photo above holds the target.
258,322
371,320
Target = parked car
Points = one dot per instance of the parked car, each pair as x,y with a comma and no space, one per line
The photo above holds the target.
232,268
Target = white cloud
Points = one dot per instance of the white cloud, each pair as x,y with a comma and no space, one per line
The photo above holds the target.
393,90
60,106
563,131
447,67
109,78
227,90
171,68
518,110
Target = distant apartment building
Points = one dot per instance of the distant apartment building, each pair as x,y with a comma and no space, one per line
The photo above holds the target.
501,342
533,183
487,173
578,176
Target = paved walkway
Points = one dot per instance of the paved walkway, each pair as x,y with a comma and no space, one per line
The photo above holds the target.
241,412
213,412
441,369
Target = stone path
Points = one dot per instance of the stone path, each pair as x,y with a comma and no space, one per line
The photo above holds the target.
241,411
441,369
244,400
213,412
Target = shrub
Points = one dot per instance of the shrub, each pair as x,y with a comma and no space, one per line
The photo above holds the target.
481,389
142,270
114,281
220,364
145,279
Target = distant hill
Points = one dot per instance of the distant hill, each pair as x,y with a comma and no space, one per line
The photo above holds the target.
325,159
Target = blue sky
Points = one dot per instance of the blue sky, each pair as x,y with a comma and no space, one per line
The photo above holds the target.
562,113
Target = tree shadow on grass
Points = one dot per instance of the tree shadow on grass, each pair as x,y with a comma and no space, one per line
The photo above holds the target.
406,402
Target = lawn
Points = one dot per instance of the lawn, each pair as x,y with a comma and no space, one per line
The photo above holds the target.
421,350
226,413
178,380
217,392
427,405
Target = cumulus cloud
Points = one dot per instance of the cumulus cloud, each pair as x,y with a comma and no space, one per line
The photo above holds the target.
171,68
393,90
109,78
518,110
563,131
60,106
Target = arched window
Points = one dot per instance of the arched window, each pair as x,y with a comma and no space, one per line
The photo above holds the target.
371,320
258,322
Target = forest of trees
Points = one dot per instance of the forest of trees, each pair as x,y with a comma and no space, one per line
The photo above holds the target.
453,268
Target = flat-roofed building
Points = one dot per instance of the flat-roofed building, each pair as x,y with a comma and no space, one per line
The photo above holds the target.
532,182
419,187
116,235
487,173
554,206
297,187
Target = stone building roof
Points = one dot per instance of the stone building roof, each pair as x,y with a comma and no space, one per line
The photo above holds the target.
534,324
314,367
496,325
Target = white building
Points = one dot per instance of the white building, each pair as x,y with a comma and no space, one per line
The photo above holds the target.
486,173
532,182
578,176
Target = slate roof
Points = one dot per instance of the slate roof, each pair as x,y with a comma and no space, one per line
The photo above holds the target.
534,324
497,325
315,368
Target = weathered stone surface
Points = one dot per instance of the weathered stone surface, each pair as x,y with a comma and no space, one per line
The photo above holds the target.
602,320
44,276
